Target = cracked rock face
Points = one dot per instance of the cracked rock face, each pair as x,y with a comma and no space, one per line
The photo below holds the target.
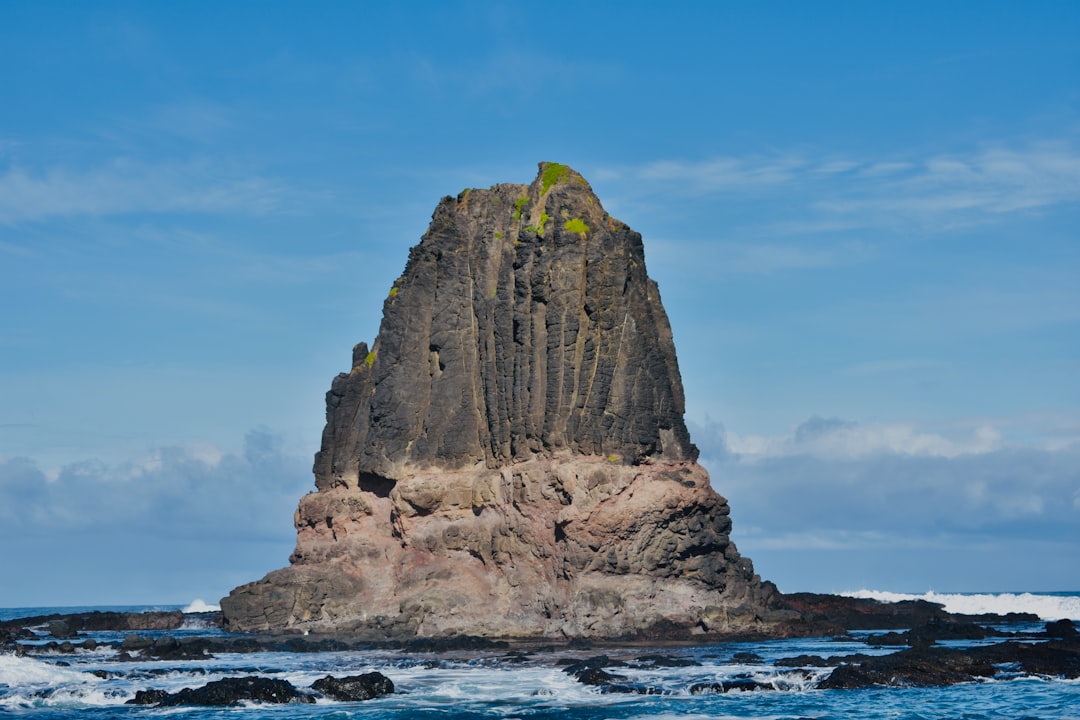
509,458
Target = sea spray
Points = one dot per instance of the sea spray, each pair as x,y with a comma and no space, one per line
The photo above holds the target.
1046,606
198,605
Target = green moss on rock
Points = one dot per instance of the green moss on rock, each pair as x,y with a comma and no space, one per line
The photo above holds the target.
553,172
577,225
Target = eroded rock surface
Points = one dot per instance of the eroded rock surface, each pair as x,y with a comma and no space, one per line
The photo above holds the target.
509,458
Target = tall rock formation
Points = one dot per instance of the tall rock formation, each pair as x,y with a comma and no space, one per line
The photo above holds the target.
509,458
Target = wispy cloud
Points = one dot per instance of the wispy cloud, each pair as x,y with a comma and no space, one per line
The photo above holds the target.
717,175
836,439
127,187
827,192
992,181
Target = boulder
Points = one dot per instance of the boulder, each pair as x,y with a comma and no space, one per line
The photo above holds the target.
355,687
234,690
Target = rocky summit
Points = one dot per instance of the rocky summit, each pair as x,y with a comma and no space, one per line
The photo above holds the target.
509,458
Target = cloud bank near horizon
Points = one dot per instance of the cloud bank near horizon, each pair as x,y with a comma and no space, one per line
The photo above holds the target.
183,522
838,505
828,488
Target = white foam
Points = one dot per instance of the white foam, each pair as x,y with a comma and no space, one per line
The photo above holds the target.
18,671
1047,607
198,605
36,683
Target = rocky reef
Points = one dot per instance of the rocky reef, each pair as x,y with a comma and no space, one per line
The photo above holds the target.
509,458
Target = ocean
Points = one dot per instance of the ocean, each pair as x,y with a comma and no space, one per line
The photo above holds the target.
503,684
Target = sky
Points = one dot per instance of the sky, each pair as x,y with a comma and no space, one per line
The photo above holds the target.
863,219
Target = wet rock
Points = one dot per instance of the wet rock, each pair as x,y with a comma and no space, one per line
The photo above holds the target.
819,661
148,697
167,647
916,667
234,690
668,661
934,630
574,666
937,666
596,676
99,621
135,642
736,684
746,658
355,687
1063,629
590,671
1055,658
164,646
61,629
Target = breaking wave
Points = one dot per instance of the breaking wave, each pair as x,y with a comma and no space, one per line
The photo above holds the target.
1047,607
198,605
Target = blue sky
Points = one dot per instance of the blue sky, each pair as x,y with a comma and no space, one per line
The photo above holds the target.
862,216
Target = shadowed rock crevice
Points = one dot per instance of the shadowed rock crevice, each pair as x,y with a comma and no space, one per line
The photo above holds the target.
512,443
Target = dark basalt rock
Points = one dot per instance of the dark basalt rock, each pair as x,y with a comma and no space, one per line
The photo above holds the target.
668,661
136,642
848,613
935,630
1063,629
503,339
233,691
916,667
597,676
937,666
590,671
611,682
148,697
355,687
746,657
815,661
738,684
97,620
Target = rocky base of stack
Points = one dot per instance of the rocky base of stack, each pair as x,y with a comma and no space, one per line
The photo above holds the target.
548,548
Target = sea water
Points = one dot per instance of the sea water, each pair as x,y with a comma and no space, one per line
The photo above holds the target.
506,685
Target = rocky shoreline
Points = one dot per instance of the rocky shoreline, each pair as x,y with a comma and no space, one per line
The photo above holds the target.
934,649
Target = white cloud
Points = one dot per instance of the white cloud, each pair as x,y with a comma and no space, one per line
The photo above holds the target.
724,174
885,168
199,492
126,187
184,522
832,484
991,181
839,440
829,193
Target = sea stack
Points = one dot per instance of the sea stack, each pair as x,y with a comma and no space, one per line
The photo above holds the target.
509,458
